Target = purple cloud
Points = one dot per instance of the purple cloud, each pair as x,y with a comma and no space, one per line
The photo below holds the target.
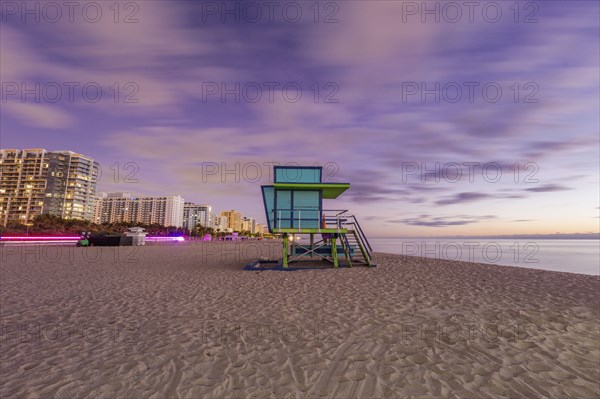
462,197
548,188
368,132
429,221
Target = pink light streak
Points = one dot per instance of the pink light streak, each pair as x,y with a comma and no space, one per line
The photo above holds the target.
165,239
70,238
41,238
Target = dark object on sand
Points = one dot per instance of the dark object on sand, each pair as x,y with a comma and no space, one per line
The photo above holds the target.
105,240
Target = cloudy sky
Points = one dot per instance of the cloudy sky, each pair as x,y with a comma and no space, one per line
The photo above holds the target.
446,119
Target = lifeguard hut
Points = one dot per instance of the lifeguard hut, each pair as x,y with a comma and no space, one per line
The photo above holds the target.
294,208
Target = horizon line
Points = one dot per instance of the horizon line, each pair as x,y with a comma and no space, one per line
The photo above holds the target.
591,236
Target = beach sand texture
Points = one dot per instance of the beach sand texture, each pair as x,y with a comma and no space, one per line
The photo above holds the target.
185,321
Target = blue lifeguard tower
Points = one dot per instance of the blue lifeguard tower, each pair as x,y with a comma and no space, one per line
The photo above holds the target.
294,208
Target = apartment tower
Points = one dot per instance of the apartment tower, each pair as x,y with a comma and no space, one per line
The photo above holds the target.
36,181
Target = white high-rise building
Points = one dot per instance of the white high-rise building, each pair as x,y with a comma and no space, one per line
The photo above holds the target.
122,207
36,181
97,215
249,224
114,207
194,214
222,223
259,228
71,188
174,211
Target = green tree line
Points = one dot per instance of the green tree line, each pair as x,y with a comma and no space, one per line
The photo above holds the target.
55,226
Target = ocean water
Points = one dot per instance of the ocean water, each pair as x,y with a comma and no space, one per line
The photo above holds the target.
574,256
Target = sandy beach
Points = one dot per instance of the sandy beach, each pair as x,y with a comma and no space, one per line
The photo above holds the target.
185,321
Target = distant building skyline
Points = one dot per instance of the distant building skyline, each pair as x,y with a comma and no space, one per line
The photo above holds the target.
36,181
113,207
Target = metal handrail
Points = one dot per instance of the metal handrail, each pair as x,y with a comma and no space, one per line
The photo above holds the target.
340,218
361,232
340,211
341,222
